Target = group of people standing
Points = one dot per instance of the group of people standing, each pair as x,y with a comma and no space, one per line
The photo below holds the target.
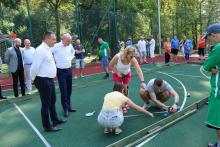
19,61
41,66
51,59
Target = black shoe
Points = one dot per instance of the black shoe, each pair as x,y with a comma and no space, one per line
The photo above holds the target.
71,110
52,129
106,76
58,122
23,94
66,113
3,97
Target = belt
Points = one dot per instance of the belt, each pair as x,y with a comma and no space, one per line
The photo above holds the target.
44,78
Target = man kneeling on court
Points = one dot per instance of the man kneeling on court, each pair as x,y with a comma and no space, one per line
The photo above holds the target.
159,91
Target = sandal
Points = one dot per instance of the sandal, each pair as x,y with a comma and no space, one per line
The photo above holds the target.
118,131
107,130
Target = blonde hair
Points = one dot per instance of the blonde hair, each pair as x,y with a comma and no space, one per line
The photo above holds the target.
130,50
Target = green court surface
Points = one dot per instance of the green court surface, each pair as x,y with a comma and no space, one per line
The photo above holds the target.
88,96
190,132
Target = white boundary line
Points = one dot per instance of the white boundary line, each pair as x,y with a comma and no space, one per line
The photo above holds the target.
147,140
184,88
32,126
185,75
181,108
201,71
134,115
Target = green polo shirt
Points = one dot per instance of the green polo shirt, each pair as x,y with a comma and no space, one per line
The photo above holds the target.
103,49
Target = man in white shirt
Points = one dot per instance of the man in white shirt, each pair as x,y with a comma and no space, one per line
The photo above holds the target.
142,49
43,70
63,53
28,55
152,48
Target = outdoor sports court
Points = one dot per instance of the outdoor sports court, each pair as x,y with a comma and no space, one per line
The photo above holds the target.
21,121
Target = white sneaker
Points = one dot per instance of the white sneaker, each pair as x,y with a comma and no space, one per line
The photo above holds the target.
29,93
81,76
147,105
75,77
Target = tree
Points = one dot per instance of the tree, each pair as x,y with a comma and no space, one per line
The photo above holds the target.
55,5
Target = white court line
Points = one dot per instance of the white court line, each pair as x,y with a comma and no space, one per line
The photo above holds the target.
32,126
185,75
147,140
134,115
181,108
184,88
201,71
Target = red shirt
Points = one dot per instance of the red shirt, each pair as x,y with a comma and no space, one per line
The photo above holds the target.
201,43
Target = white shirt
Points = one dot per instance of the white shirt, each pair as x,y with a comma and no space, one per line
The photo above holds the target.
28,55
152,44
122,68
142,45
43,63
63,55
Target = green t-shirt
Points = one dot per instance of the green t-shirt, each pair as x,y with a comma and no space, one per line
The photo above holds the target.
212,61
103,49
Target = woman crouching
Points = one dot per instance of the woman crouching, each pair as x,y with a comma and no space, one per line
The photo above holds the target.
111,116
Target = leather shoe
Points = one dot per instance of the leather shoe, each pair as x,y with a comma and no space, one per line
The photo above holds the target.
71,110
65,113
52,129
3,97
58,122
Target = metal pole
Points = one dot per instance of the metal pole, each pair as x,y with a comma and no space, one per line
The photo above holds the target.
29,20
200,16
159,31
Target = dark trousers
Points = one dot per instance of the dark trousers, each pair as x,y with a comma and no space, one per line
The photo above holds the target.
201,51
65,83
167,58
19,74
187,56
46,89
1,91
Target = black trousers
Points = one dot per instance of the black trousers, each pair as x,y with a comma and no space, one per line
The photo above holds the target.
18,75
65,83
46,89
1,91
167,58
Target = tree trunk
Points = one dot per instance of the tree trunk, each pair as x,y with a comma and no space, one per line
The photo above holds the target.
57,21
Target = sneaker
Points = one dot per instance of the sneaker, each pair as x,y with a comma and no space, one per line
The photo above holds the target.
188,94
127,106
125,110
106,76
147,105
213,145
3,97
29,93
75,77
82,76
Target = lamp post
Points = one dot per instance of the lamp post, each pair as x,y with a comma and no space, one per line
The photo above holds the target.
159,31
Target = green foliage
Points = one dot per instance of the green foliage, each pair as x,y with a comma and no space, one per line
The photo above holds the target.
91,18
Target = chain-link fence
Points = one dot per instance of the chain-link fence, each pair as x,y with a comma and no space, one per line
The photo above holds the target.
111,25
